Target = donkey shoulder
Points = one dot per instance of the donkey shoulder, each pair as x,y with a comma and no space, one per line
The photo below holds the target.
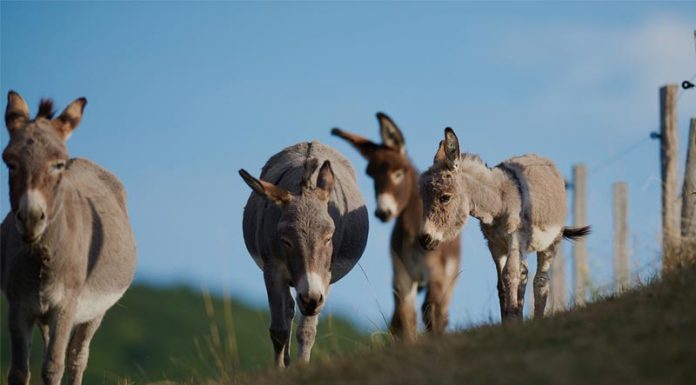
85,172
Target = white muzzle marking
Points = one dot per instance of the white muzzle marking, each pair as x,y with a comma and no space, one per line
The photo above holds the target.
387,203
430,229
310,285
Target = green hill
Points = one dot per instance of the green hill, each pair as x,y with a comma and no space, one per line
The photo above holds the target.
646,336
166,333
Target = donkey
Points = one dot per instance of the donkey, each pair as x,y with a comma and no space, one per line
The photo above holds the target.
68,252
521,206
303,234
398,196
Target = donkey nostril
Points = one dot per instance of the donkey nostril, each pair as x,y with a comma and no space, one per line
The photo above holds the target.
321,298
43,215
20,217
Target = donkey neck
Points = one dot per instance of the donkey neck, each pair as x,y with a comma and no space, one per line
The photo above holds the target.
484,187
410,217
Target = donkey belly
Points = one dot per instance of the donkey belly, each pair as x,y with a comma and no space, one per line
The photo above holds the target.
542,238
92,304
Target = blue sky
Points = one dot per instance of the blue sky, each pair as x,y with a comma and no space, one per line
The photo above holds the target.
181,95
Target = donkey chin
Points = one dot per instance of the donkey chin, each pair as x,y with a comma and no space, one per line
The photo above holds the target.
429,238
311,295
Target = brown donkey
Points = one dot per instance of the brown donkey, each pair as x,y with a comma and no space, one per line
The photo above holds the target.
306,227
398,196
68,253
521,206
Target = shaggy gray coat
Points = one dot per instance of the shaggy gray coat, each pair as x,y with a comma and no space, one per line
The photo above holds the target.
346,206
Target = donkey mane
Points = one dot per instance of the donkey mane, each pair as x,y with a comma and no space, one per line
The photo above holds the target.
473,158
45,109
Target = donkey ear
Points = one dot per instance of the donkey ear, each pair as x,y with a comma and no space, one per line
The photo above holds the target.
17,112
277,195
363,145
325,180
70,118
440,154
391,135
451,147
309,167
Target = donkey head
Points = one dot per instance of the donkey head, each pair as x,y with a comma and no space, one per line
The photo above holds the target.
36,157
387,165
445,202
305,232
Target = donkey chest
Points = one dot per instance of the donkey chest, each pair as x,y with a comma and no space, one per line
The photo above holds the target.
414,259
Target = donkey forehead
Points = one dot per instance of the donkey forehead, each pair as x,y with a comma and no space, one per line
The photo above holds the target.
36,141
306,216
438,180
386,160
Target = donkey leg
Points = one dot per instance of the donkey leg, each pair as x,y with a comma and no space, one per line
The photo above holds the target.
443,276
511,280
524,273
45,334
20,326
500,258
306,333
541,279
78,350
279,299
59,335
403,323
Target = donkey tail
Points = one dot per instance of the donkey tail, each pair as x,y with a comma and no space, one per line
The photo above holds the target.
575,233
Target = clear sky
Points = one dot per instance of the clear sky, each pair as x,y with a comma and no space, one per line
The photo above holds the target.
181,95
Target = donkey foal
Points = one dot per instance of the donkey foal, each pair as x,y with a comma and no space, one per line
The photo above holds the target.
521,205
398,196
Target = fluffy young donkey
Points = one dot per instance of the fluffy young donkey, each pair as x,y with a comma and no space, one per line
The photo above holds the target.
396,189
521,206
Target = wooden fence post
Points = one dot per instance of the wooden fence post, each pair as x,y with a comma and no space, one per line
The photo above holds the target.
668,161
621,236
581,270
688,218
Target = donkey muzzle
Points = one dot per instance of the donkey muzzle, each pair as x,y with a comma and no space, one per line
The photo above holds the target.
428,242
383,215
310,305
31,217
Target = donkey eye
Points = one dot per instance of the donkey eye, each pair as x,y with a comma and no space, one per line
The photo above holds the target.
286,242
59,166
398,176
328,240
445,198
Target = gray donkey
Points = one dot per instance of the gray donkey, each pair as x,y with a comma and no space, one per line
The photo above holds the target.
305,229
521,206
68,253
398,196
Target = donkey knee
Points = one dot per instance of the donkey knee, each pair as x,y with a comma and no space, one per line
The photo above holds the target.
280,339
17,376
541,283
52,371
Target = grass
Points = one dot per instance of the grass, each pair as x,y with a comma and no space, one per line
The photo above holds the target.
645,336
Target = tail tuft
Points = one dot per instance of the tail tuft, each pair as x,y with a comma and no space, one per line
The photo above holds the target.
575,233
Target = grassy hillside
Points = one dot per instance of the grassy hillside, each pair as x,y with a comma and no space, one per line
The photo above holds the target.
165,333
646,336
